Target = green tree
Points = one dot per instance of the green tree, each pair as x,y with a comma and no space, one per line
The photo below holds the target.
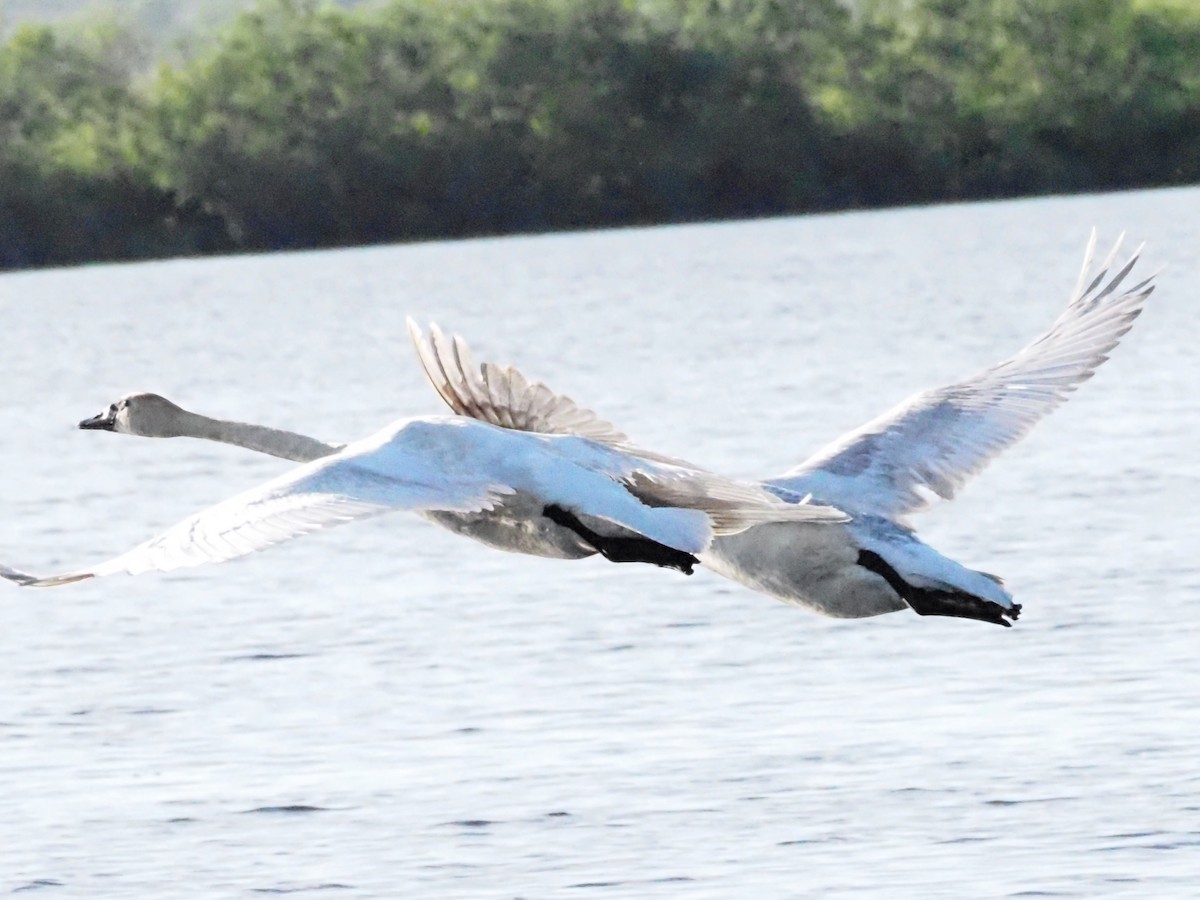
303,123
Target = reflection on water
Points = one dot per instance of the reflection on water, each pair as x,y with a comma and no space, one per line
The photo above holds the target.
389,705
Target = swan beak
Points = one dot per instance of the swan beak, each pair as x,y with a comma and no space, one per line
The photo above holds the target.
102,422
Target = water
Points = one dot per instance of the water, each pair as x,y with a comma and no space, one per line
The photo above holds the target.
387,710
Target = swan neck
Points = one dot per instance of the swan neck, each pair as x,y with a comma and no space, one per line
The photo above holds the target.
273,441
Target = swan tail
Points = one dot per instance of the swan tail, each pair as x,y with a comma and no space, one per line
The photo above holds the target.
936,601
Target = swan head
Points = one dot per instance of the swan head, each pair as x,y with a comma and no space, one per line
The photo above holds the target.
146,415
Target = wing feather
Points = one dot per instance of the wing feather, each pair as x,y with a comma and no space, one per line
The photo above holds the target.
502,396
731,506
317,496
930,445
514,402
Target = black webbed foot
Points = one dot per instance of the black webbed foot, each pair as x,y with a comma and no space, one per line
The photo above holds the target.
624,549
933,602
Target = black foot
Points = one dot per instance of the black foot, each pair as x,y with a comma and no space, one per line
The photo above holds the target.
622,549
932,602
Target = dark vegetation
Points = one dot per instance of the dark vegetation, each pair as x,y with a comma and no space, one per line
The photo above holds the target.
303,124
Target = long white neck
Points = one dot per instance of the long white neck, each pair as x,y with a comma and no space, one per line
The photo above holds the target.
273,441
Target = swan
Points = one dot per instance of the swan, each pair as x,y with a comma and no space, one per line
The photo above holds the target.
463,465
925,448
509,524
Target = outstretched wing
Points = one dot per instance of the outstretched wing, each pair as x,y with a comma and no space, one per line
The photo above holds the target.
316,496
502,396
731,506
930,445
506,398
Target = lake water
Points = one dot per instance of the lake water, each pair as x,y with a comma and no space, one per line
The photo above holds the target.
387,710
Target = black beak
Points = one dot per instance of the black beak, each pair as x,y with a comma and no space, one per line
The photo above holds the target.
102,422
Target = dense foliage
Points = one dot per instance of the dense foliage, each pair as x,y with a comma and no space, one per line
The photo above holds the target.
306,124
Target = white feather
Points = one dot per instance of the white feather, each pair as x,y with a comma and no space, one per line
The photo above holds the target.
930,445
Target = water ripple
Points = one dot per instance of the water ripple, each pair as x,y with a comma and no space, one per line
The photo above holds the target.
37,884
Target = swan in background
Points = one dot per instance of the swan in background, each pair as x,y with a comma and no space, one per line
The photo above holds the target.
457,464
927,448
924,448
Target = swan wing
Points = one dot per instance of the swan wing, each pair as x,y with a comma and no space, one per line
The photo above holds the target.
663,484
314,497
502,396
731,506
930,445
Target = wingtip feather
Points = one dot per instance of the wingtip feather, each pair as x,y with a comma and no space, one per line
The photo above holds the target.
25,579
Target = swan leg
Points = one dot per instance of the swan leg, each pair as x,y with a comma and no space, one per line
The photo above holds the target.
621,549
932,602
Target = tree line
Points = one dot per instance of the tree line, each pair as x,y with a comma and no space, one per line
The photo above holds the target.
306,124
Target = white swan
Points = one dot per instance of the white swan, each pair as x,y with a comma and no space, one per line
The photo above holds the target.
456,464
511,524
927,446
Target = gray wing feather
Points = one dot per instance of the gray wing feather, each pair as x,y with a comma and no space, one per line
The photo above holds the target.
731,506
502,396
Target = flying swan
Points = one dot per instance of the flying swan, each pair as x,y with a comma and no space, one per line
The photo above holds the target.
452,464
925,448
